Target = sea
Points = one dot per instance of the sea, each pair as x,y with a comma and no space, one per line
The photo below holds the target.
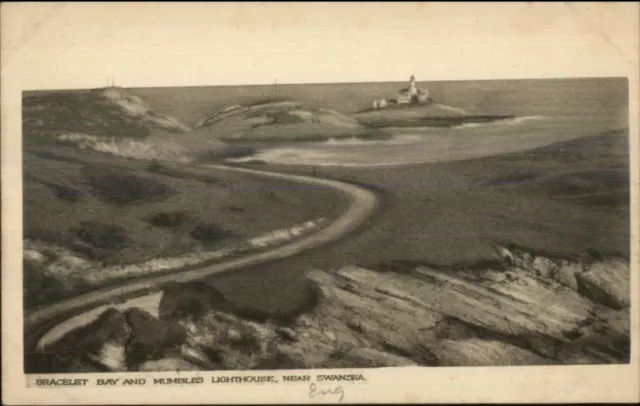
544,110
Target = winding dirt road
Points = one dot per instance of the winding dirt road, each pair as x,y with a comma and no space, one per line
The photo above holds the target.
362,206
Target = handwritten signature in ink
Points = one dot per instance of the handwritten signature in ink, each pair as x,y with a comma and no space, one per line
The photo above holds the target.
315,392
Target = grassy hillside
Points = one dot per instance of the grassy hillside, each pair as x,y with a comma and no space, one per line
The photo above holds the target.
102,210
101,112
86,113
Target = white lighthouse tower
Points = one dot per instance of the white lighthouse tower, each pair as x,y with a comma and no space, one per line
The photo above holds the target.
413,90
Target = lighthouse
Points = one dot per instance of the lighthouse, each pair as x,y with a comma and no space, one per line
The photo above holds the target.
413,90
406,95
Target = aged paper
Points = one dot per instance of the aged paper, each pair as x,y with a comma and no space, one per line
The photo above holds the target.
319,203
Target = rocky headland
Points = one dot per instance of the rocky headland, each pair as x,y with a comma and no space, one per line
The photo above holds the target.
281,121
423,115
524,309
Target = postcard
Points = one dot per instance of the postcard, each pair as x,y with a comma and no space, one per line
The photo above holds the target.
268,203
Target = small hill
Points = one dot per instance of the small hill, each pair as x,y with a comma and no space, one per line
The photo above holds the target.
282,120
110,120
101,112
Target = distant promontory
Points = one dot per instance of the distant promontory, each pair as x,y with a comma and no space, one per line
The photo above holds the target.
414,107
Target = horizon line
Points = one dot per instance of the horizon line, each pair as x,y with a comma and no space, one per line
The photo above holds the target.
325,83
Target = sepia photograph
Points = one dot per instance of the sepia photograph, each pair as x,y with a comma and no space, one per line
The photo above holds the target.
306,187
331,225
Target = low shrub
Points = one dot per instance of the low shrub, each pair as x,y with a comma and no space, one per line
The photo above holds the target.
65,192
209,232
38,286
125,188
101,235
168,219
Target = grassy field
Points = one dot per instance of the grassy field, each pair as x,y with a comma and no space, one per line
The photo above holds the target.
569,199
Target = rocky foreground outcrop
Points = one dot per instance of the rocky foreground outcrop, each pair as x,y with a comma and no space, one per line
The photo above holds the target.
530,310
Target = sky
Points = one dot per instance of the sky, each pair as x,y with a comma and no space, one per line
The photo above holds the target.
78,45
